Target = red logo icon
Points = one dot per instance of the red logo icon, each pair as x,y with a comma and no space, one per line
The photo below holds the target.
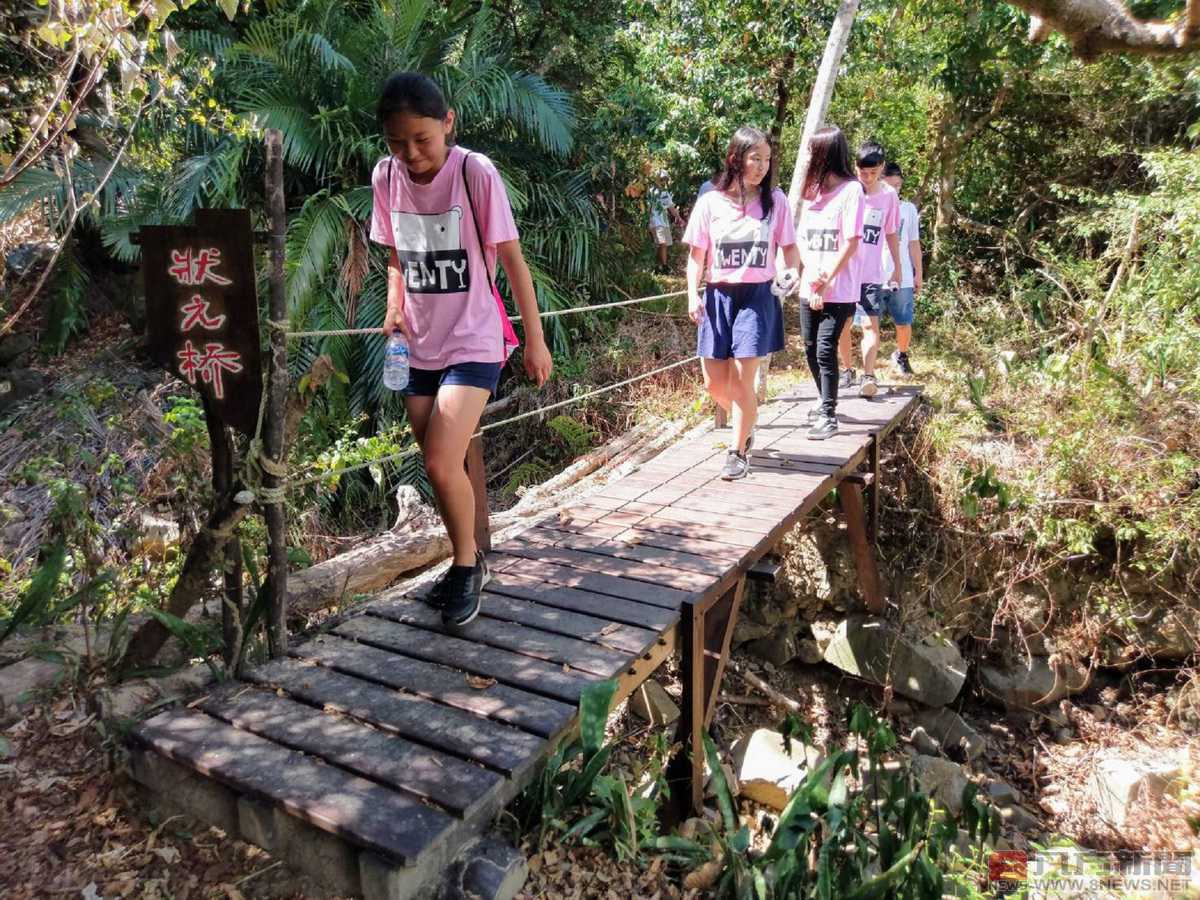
1008,865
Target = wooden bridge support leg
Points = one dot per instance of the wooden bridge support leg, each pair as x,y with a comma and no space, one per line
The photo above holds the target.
478,475
873,489
706,630
850,495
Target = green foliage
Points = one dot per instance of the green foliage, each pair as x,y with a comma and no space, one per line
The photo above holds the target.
574,436
900,846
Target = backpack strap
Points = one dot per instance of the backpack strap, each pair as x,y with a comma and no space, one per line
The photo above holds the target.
475,219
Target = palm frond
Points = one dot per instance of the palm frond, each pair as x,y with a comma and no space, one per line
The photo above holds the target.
315,243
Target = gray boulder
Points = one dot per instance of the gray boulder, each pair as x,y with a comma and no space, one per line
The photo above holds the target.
950,730
932,672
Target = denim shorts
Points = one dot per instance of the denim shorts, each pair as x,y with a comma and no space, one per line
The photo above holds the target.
425,382
740,321
868,302
899,305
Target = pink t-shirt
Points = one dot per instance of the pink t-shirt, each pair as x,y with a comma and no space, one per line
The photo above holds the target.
743,245
449,307
881,217
825,224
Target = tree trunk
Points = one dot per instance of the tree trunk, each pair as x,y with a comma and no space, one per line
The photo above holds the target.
274,441
822,93
232,606
228,511
783,93
196,578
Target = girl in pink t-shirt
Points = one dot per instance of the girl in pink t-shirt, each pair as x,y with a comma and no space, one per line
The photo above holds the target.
830,229
738,227
445,215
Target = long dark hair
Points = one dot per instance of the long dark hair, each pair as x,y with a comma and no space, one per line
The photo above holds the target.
829,154
414,94
740,144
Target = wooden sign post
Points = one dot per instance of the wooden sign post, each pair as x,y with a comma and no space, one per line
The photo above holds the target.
202,311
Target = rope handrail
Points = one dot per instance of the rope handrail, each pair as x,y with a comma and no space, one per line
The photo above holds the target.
540,411
349,332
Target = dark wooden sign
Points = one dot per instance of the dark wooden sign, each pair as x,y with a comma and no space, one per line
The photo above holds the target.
202,311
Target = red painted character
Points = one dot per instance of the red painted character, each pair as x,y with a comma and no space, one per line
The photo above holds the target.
199,269
195,312
209,365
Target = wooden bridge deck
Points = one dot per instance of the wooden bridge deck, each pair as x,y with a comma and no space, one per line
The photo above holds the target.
385,743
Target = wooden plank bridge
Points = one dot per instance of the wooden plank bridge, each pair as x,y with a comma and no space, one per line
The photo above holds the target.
372,753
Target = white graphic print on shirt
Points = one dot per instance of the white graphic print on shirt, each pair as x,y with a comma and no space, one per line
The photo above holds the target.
821,240
430,251
872,225
744,244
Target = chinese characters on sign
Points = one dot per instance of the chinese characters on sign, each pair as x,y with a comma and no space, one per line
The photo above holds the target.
202,313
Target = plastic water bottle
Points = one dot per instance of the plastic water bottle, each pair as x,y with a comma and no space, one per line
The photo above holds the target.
395,363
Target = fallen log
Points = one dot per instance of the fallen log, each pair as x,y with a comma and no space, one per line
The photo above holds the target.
371,566
378,562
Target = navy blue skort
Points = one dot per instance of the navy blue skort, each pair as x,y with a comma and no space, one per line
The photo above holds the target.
740,321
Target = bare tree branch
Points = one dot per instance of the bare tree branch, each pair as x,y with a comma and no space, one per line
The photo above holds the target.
1097,26
78,210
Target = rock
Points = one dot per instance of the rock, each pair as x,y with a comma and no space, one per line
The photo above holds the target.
896,707
824,631
766,772
155,535
1117,785
1025,686
942,780
24,257
1064,736
1018,817
924,743
15,349
777,648
1171,634
21,682
809,652
490,869
129,699
1001,793
652,703
950,730
17,385
872,649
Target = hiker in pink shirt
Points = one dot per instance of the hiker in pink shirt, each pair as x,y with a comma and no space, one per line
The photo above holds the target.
881,222
445,215
829,229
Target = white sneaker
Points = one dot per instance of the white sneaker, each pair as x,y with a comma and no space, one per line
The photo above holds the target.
868,387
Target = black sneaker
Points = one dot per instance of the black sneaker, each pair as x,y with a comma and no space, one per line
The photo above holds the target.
824,427
461,595
814,412
436,597
749,441
847,378
900,361
737,465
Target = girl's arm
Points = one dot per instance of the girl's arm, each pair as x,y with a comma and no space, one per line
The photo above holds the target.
822,282
695,266
893,244
791,257
393,319
914,254
538,361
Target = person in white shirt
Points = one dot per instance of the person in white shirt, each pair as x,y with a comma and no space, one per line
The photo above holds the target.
899,303
661,204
